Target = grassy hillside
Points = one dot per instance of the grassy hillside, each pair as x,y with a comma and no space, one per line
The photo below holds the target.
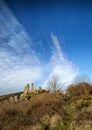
50,111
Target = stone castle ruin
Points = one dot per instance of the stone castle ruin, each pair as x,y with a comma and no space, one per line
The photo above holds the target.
27,94
30,92
27,89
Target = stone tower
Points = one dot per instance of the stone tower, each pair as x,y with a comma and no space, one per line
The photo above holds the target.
32,87
26,88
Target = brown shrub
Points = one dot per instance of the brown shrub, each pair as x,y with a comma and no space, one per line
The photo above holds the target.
79,89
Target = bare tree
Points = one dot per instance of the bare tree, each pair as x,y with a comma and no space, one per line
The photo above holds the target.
54,84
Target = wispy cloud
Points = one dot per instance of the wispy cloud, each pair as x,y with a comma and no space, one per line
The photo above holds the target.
60,66
18,61
20,64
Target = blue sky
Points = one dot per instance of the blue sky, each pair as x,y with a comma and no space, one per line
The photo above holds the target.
69,21
40,39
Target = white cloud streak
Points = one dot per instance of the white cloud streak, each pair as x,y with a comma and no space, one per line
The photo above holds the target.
18,61
20,64
60,65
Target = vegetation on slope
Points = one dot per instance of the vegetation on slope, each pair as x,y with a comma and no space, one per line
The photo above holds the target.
50,111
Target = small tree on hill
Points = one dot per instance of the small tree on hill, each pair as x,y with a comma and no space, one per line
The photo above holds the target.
54,84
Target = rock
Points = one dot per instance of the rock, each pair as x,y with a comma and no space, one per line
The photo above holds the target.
11,99
5,101
16,98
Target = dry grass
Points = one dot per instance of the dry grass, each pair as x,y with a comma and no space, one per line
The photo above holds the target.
25,113
28,115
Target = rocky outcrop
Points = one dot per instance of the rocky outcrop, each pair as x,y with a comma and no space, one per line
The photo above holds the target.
26,89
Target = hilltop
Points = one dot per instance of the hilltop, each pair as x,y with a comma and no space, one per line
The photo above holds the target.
46,110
